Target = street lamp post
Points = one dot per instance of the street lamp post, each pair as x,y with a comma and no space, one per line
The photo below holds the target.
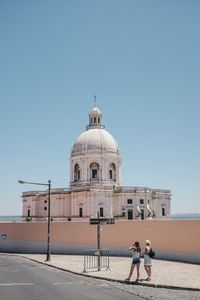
49,213
49,222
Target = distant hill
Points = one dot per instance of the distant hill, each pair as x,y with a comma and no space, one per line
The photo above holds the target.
10,218
190,216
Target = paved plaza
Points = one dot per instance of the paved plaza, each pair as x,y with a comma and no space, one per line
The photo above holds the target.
164,273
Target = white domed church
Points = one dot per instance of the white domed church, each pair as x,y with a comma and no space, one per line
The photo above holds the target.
95,187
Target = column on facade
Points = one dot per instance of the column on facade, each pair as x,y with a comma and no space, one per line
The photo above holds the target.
33,205
72,171
93,204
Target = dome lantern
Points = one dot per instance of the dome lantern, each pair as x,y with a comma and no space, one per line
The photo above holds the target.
95,117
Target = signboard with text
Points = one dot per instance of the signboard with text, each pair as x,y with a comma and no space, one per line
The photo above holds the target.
96,221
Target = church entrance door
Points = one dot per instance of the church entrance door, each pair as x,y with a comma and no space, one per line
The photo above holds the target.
130,214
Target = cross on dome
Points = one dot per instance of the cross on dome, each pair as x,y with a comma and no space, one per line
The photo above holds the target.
95,101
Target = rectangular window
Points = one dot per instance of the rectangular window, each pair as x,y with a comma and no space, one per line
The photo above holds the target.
45,208
110,174
101,211
130,201
80,212
98,120
141,201
94,173
95,120
45,201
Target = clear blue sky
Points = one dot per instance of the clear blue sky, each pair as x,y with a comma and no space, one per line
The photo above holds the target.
141,59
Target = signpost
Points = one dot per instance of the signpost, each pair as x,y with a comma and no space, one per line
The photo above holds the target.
98,221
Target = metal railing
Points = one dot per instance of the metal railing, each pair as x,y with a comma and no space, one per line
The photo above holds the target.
96,259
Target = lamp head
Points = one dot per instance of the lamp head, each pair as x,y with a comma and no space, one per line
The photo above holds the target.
21,181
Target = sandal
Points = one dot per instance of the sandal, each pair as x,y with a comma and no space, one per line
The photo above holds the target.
127,279
148,279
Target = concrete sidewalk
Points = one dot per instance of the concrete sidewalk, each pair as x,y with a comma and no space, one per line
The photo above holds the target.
164,273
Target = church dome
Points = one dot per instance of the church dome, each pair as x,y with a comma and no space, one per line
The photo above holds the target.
96,140
95,157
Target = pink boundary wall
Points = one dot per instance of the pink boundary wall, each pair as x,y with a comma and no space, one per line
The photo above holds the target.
178,237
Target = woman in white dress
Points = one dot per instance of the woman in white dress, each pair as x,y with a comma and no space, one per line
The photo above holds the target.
147,259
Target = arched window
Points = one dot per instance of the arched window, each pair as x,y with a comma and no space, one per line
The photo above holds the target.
94,171
77,173
112,172
163,210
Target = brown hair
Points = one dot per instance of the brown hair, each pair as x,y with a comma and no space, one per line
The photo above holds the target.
137,245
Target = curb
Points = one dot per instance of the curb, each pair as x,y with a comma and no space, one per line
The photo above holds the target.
171,287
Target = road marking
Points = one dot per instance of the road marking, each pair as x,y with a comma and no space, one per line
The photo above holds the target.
15,283
65,283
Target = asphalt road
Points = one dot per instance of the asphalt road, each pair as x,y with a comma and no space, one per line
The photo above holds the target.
21,279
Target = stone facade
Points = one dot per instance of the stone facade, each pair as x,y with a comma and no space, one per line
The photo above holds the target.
95,186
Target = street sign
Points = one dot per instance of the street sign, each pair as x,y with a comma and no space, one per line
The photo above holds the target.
96,221
4,236
110,221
